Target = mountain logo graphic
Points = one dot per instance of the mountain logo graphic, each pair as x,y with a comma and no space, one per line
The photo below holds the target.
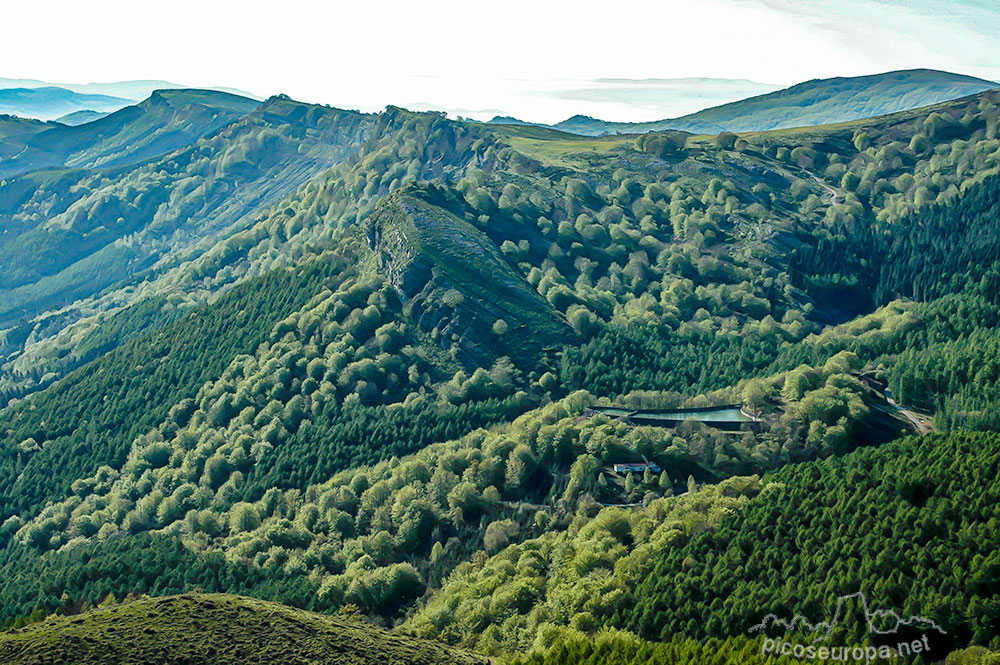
873,618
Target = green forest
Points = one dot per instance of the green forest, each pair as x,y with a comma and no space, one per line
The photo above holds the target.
347,363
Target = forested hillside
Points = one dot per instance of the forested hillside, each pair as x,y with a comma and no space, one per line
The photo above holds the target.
793,548
347,361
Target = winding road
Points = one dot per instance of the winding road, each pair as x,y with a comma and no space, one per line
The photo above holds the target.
921,426
830,190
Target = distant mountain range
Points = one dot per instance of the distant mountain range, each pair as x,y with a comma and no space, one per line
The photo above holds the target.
551,100
31,98
816,102
134,90
50,102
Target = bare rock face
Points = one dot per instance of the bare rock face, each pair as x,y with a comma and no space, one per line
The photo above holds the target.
455,281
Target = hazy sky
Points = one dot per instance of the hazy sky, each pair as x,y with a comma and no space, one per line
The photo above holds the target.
482,57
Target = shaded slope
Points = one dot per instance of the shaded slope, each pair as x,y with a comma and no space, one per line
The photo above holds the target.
167,120
71,234
457,282
215,628
925,255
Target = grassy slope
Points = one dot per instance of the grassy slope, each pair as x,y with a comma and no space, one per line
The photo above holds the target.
419,241
554,143
557,148
216,628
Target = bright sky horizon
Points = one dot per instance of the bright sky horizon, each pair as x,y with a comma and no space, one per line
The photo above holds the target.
538,60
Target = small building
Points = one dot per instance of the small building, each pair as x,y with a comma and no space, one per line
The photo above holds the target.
636,467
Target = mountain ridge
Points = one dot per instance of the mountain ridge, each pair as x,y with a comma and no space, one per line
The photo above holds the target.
813,102
126,92
163,122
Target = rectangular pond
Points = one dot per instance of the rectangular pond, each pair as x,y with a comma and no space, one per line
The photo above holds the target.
730,416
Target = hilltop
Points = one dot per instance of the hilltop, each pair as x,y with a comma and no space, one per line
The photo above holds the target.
200,629
12,125
81,117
